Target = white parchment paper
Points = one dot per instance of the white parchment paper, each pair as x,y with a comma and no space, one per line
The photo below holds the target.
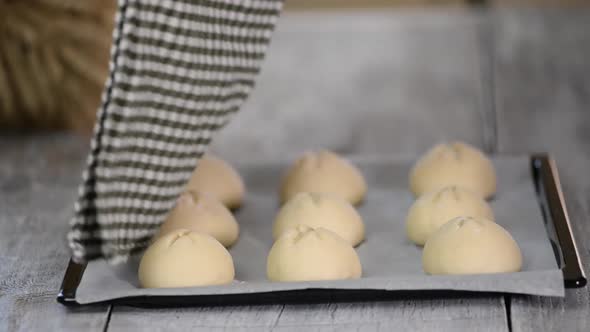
389,260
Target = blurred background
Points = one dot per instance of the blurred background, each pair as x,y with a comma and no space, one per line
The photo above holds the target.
358,77
54,53
53,62
336,4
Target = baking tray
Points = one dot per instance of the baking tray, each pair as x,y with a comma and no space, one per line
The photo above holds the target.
552,214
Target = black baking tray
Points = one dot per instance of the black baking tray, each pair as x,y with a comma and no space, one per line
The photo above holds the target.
552,205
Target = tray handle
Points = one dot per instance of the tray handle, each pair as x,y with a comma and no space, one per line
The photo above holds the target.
550,192
70,283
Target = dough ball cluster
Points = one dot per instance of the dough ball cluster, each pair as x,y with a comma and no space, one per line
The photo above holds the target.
183,258
451,217
467,245
303,253
455,164
324,172
315,230
189,249
218,179
317,227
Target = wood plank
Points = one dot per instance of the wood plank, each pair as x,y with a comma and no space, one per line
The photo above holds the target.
38,183
363,82
542,98
40,312
481,314
393,83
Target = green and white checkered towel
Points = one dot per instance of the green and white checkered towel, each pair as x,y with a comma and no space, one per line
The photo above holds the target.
179,70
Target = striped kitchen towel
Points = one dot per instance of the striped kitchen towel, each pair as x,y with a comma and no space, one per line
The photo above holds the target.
179,69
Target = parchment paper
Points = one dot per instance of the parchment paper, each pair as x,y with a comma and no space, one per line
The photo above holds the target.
389,260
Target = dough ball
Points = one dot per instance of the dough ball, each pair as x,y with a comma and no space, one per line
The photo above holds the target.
184,259
457,164
202,213
303,253
434,209
324,172
315,210
467,245
216,177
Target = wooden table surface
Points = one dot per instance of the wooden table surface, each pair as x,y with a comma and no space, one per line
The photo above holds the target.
507,81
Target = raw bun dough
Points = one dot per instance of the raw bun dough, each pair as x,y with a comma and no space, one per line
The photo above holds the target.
432,210
303,253
217,178
185,259
201,212
324,172
457,164
321,210
468,245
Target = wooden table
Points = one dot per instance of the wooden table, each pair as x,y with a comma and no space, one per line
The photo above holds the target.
510,82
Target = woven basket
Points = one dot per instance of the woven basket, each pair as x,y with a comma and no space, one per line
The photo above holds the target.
53,62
